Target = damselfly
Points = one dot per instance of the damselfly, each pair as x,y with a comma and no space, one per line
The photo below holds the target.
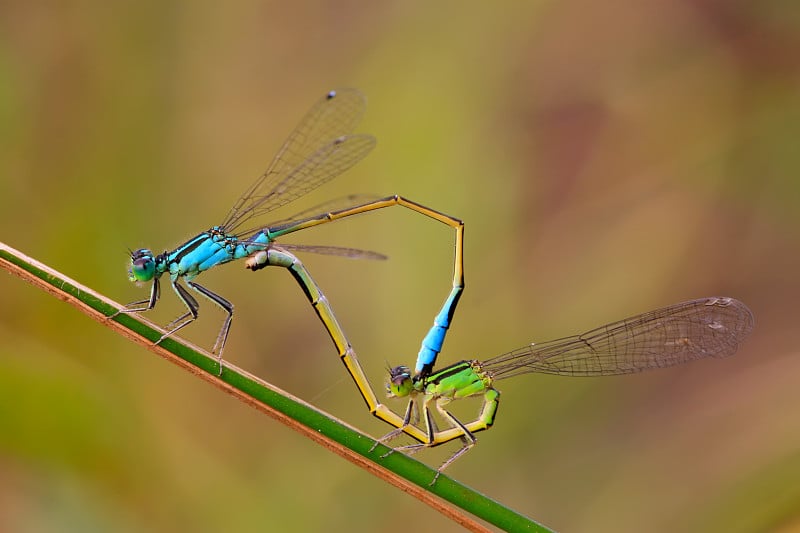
708,327
320,148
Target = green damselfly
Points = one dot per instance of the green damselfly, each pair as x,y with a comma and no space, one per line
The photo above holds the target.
696,329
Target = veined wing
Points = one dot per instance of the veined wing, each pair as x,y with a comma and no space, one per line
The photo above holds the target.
320,148
708,327
340,251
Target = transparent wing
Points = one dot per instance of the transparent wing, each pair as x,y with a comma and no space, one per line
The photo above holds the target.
320,148
709,327
341,251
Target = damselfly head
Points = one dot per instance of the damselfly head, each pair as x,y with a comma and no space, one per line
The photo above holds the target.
400,383
143,265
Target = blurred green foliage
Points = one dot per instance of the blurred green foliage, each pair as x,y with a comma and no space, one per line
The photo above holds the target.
606,159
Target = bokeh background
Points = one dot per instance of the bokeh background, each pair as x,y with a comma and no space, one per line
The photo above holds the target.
607,158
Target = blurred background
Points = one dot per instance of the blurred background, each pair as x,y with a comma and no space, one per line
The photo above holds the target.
607,160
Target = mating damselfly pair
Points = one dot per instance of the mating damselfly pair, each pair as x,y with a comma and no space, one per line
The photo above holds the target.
320,148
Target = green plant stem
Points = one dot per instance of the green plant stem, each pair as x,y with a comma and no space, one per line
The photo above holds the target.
404,472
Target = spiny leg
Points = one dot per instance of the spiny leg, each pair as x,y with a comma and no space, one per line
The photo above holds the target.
465,435
191,315
428,423
468,440
411,410
185,319
137,306
491,401
485,420
222,337
459,430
